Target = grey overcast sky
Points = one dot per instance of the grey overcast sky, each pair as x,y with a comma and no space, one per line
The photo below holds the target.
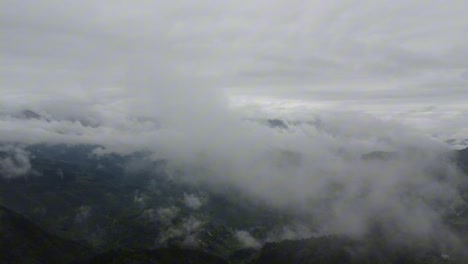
404,60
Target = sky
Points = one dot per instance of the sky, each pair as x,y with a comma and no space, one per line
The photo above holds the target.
405,60
179,77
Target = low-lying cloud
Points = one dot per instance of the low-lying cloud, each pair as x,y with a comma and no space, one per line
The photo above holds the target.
14,162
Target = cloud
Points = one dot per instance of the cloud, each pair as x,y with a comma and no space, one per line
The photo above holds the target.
185,232
329,183
295,231
246,239
167,215
192,201
14,162
83,213
139,52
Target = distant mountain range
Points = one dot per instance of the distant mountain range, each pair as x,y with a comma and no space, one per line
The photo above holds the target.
276,123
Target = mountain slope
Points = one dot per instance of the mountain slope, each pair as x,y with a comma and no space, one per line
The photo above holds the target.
21,241
342,250
159,256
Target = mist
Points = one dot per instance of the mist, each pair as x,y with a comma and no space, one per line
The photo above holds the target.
129,79
14,162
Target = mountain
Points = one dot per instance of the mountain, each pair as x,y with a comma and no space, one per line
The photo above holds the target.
343,250
28,114
22,241
127,207
157,256
462,160
379,155
114,201
458,142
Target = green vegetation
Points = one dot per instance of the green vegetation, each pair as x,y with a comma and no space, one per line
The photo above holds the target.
94,202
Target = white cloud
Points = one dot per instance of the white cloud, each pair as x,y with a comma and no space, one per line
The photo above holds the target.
167,215
184,232
112,59
192,201
14,162
247,240
83,213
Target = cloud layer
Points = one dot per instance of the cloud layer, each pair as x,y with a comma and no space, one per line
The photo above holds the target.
113,60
